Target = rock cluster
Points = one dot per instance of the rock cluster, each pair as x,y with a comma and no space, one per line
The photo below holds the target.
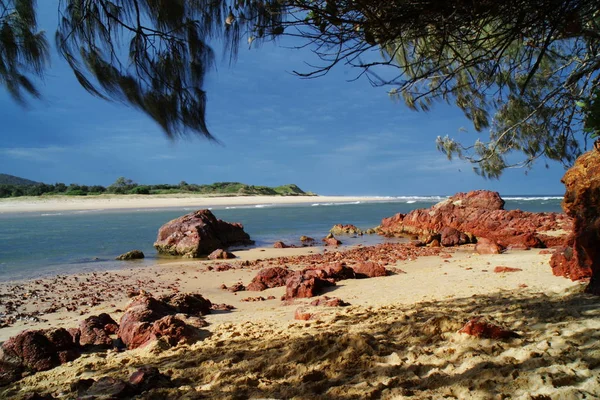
348,229
580,258
198,234
174,318
311,281
468,217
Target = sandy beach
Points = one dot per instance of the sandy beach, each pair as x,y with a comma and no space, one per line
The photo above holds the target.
397,339
116,202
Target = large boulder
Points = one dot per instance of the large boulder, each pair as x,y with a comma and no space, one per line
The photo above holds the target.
479,214
198,234
581,258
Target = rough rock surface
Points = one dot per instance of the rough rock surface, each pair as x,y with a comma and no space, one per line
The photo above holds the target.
480,214
280,245
480,328
302,286
146,319
95,330
307,241
36,351
487,246
197,234
220,254
330,240
369,269
348,229
131,255
269,278
581,258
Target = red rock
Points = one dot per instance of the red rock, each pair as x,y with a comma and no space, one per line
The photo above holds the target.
329,302
198,233
487,246
147,378
330,240
501,269
146,318
280,245
40,350
348,229
302,286
369,269
109,388
222,307
173,330
220,254
269,278
480,328
566,262
93,331
307,241
545,251
452,237
301,315
481,214
582,202
186,303
237,287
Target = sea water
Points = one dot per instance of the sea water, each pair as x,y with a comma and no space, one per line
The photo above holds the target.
40,244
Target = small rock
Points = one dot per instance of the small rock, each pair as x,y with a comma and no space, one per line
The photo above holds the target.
131,255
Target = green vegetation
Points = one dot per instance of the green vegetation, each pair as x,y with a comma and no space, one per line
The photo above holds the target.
127,186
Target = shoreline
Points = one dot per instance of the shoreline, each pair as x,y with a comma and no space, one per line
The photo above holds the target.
28,204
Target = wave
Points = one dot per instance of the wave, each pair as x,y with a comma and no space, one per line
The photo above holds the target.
533,198
343,203
50,214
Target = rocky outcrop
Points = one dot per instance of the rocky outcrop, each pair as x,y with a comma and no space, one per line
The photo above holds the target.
466,217
348,229
147,319
198,234
580,259
131,255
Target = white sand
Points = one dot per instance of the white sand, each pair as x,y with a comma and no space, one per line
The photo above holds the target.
114,202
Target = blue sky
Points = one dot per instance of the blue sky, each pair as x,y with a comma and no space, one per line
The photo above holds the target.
327,135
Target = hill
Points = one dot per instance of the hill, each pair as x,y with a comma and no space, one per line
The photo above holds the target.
6,179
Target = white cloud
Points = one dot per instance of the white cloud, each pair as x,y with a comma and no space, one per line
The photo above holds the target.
51,153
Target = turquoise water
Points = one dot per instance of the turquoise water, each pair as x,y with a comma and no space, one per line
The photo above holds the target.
42,244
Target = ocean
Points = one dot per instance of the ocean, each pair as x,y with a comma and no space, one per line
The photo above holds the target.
34,245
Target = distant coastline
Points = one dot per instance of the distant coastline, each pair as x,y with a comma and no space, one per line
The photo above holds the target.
116,202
